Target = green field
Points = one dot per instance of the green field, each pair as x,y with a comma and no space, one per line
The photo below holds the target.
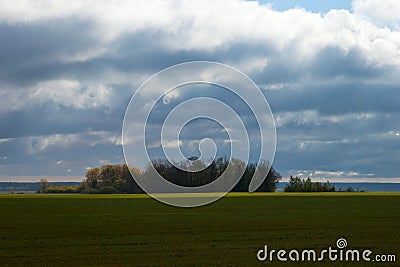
129,230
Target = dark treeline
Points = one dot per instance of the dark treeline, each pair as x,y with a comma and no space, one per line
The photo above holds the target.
215,170
306,185
118,179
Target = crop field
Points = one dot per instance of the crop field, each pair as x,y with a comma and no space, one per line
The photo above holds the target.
130,230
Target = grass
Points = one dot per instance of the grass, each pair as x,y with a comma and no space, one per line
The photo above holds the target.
128,230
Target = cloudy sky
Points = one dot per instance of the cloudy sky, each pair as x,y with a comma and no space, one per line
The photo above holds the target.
330,72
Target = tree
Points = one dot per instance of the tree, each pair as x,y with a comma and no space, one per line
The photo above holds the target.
92,178
298,185
295,185
309,186
349,189
111,179
328,187
272,179
44,184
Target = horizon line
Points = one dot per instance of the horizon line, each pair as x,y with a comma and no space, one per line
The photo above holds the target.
76,178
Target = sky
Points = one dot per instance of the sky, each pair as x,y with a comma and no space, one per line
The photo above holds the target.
316,6
330,71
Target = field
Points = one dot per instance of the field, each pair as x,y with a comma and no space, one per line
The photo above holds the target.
129,230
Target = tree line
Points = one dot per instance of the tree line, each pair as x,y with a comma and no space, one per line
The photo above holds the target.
110,179
297,184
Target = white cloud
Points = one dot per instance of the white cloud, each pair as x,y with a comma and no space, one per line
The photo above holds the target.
172,143
313,117
304,117
321,175
25,11
104,137
42,143
392,133
68,93
253,65
39,144
383,12
71,93
210,25
4,140
342,176
170,96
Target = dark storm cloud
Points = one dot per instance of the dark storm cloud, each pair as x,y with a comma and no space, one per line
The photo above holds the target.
337,98
54,119
368,145
32,52
151,51
143,51
368,154
335,62
329,63
67,159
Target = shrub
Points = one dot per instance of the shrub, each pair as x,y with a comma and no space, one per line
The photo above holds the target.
107,190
